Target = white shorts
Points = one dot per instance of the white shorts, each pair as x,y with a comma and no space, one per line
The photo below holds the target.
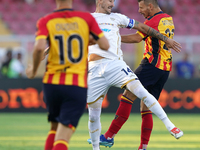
105,73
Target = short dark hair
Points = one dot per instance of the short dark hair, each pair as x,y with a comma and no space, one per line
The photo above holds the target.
154,2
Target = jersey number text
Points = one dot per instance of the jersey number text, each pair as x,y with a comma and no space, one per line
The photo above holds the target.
70,48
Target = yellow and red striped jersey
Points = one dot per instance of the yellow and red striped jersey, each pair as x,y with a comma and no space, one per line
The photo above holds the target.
155,50
68,34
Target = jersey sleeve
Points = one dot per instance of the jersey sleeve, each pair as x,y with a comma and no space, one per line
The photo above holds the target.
141,34
42,31
125,22
95,30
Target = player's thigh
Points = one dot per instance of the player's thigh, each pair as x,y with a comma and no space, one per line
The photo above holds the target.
97,85
119,74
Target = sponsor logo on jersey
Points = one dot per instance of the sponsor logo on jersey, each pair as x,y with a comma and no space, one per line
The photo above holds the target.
167,22
106,30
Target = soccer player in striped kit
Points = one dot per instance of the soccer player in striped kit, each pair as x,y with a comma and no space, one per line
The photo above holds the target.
65,80
153,71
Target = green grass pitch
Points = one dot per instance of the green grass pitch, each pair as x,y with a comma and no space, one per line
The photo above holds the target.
27,131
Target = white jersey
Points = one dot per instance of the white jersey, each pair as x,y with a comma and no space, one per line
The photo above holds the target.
110,24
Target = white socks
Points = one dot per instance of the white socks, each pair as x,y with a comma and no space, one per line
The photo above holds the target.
169,125
94,123
137,89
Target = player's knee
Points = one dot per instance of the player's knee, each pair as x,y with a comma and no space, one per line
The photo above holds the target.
54,125
93,118
143,107
129,95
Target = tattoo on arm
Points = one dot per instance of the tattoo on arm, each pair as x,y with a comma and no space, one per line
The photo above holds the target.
149,31
152,32
136,25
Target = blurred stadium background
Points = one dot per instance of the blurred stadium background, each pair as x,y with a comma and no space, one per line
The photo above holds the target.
180,95
18,26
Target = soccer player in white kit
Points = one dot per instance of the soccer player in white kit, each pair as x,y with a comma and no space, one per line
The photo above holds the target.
108,69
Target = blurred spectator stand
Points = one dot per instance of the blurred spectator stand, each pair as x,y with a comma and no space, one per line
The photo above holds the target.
184,68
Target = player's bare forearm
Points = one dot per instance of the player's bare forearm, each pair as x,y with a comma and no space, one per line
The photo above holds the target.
131,38
103,43
149,31
46,52
152,32
38,54
32,68
170,43
37,57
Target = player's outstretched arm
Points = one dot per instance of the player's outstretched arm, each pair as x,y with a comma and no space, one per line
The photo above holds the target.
38,54
170,43
131,38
